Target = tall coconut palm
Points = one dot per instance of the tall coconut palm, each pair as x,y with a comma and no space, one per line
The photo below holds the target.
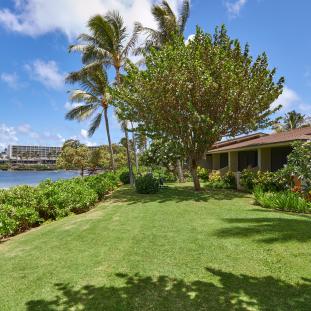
107,44
92,97
293,120
168,24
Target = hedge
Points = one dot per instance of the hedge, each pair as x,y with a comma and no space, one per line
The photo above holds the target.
24,207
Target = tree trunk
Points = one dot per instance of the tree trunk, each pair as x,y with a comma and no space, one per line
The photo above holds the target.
135,149
180,171
109,139
82,171
193,169
128,152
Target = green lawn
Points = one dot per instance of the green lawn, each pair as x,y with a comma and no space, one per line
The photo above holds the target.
177,250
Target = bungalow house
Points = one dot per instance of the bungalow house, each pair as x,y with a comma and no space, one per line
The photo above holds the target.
260,151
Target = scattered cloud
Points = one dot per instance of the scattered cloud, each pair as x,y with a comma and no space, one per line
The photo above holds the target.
84,133
234,7
11,79
290,100
68,106
190,37
37,17
7,135
47,73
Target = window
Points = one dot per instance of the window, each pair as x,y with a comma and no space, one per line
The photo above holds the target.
247,159
223,160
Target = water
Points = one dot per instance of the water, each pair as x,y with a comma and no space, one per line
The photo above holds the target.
14,178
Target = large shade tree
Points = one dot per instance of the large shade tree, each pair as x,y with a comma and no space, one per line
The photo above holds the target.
197,93
93,100
108,43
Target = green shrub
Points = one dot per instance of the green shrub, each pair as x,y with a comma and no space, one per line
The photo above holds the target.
24,207
125,177
247,179
203,173
267,181
102,184
66,196
8,225
147,184
284,200
216,181
17,219
229,180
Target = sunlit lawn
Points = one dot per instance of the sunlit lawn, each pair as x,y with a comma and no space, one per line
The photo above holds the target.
177,250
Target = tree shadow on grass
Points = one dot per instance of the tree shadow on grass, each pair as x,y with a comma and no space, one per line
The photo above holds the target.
176,194
268,229
139,293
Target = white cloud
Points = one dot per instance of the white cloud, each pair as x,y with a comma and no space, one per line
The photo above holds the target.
7,135
37,17
68,106
290,100
47,73
84,133
234,7
190,37
11,79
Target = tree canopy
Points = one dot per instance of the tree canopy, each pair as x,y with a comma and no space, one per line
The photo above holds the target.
196,93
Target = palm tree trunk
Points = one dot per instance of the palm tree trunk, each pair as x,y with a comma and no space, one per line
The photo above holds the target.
135,149
129,162
128,150
109,139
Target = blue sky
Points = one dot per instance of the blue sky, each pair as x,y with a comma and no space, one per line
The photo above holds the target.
35,35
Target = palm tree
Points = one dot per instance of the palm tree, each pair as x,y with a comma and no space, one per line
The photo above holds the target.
107,44
168,25
292,120
93,97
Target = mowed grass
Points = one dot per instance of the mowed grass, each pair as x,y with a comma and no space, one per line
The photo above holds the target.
177,250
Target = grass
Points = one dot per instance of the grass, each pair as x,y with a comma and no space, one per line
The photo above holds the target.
177,250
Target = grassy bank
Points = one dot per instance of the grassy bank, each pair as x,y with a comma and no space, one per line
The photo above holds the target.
176,250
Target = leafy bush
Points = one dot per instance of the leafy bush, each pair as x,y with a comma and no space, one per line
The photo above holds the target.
267,181
24,207
203,173
147,184
247,179
229,180
215,177
8,225
102,184
299,163
284,200
125,177
222,182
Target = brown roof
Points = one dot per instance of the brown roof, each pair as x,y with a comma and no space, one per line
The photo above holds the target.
275,138
237,140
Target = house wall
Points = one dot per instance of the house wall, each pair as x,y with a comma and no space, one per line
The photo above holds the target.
233,161
264,159
216,161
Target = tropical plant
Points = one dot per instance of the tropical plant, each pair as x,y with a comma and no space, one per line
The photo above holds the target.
107,44
196,93
169,24
93,98
147,184
299,162
292,120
